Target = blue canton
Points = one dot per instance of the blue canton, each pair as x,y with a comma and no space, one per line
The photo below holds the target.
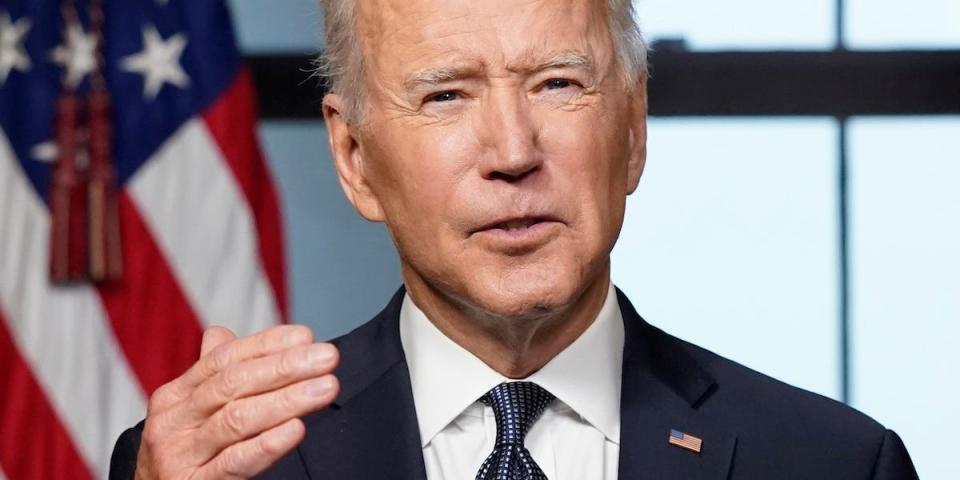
164,62
516,406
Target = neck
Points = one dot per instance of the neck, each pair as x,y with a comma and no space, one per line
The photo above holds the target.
514,347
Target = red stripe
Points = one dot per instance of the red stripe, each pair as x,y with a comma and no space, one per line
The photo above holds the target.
151,317
33,443
231,121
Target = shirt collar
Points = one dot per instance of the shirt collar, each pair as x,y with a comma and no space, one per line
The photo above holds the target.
446,378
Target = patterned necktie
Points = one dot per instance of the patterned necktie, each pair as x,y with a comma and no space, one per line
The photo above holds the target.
516,405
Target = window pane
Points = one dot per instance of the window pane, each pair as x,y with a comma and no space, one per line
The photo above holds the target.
293,26
904,178
741,24
342,269
731,242
876,24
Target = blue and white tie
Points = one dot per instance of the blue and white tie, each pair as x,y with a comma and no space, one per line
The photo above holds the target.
516,406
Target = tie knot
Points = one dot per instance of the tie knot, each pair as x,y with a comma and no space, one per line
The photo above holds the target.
516,406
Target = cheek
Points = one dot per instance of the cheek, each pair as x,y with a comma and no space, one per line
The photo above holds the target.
591,162
417,178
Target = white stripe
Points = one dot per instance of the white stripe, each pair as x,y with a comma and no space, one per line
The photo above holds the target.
205,228
2,476
62,332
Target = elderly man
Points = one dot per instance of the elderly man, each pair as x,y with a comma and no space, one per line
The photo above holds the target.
497,140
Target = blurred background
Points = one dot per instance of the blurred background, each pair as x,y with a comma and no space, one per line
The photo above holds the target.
799,213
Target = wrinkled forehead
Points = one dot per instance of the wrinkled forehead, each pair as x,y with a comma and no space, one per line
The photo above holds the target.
399,35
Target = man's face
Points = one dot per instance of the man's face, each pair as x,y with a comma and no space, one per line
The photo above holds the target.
498,144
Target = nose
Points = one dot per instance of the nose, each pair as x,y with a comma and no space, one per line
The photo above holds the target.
512,152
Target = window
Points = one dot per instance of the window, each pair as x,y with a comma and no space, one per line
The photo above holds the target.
905,220
896,24
740,24
278,25
730,242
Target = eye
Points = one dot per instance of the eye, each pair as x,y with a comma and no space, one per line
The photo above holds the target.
448,96
557,84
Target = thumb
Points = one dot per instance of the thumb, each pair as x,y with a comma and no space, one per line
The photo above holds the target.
215,336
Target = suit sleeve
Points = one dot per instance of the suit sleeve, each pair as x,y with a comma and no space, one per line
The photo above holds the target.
123,462
893,462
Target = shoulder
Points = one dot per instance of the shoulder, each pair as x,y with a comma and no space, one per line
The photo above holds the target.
754,397
371,348
123,461
780,424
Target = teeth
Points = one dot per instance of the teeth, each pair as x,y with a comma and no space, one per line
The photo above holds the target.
517,224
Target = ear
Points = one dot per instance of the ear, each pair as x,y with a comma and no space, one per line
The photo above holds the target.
638,135
349,161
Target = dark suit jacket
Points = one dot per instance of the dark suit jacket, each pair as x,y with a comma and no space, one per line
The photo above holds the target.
753,427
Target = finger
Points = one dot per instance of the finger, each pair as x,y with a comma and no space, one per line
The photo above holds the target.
214,337
172,392
259,375
251,457
269,341
248,417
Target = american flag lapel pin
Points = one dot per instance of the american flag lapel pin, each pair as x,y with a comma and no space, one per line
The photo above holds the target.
685,440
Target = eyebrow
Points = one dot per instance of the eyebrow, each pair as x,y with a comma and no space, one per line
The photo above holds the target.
436,75
567,59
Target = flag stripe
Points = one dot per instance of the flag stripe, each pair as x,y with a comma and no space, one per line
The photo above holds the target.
687,442
61,332
230,121
28,420
148,311
199,218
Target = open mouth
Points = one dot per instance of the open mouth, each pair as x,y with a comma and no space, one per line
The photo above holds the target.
516,224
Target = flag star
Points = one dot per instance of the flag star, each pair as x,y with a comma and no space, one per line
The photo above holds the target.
158,62
12,54
77,55
45,152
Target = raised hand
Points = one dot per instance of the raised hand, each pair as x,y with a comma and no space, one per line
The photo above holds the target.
236,411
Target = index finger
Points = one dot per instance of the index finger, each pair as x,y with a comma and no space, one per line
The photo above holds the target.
266,342
215,336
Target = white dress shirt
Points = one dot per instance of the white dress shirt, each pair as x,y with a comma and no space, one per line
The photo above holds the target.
576,438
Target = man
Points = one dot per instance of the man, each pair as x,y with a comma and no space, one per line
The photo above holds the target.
498,141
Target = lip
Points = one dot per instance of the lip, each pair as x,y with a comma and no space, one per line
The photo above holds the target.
503,223
519,234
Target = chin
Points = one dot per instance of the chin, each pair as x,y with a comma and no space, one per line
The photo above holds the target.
529,291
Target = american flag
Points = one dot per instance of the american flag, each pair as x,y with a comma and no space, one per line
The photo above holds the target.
135,210
685,440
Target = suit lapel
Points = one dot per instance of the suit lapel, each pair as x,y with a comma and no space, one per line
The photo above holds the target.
663,387
371,432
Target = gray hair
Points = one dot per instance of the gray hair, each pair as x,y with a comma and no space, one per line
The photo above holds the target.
341,63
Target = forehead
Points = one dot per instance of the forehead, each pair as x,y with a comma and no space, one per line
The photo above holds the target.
402,35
